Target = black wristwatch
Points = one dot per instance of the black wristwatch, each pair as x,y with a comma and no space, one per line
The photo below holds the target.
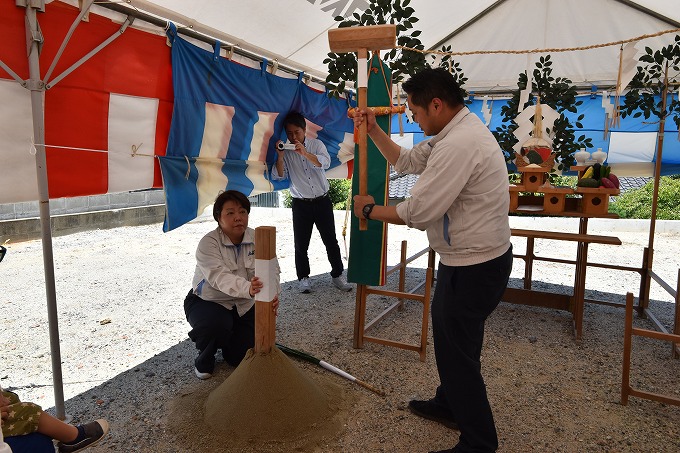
366,211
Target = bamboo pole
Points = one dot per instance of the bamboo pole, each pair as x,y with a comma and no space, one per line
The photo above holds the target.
265,318
655,194
329,367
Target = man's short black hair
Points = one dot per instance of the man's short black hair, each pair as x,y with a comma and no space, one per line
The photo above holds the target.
434,83
229,195
295,119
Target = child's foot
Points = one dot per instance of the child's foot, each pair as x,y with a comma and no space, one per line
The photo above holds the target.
88,435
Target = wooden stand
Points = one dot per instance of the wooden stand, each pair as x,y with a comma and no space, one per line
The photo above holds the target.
265,319
587,201
626,389
360,325
573,304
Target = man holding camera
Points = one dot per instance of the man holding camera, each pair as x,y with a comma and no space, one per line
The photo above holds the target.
303,161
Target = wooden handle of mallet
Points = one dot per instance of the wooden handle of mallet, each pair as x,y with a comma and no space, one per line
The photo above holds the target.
362,103
265,319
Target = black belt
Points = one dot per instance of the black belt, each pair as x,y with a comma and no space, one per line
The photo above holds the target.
314,199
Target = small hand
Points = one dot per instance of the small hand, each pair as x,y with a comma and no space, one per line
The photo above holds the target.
359,202
300,148
275,305
279,150
4,407
368,114
255,286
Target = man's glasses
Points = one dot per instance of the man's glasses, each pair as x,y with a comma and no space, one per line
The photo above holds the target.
3,250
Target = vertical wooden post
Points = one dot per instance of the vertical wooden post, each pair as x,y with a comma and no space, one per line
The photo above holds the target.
359,317
402,273
627,345
265,320
362,103
676,322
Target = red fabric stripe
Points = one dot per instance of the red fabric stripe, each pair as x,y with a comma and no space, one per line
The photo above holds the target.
77,118
137,63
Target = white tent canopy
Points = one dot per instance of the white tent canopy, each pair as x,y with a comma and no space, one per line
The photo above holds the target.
295,31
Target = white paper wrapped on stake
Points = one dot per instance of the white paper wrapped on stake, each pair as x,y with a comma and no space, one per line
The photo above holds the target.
362,72
268,273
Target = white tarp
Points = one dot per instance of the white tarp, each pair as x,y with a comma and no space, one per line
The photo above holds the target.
297,30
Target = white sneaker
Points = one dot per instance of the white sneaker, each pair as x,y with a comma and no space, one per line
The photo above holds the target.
202,376
305,285
341,284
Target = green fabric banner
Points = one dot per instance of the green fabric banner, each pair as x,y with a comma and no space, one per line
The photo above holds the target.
368,249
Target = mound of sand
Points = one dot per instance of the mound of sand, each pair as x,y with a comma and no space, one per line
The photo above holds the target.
266,401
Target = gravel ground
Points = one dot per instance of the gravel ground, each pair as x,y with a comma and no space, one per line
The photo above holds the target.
126,355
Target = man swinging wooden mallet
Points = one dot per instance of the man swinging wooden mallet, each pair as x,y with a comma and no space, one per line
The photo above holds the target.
361,40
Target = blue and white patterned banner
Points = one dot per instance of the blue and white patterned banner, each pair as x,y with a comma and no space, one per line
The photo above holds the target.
226,120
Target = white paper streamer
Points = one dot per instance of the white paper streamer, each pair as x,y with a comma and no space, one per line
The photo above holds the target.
607,103
628,66
486,110
525,93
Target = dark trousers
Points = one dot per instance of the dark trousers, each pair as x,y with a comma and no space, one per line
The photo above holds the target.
306,214
30,443
464,297
215,327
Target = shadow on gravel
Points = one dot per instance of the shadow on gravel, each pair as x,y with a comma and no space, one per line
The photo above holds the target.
136,402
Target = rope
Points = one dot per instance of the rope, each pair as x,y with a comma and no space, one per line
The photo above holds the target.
348,206
133,153
547,50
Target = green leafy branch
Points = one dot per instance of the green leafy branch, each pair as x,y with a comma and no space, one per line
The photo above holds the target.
342,67
558,93
645,96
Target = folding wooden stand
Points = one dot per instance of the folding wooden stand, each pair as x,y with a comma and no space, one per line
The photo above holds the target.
626,389
360,325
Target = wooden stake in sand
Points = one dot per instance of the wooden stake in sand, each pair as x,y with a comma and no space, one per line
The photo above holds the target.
267,398
265,263
361,40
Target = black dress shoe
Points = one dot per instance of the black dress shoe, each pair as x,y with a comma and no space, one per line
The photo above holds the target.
433,411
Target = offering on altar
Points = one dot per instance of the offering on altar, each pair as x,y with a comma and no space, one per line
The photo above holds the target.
598,176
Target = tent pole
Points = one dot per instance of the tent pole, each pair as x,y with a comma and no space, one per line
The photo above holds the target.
34,35
655,195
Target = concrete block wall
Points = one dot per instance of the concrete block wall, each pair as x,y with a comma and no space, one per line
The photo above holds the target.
77,205
29,228
21,221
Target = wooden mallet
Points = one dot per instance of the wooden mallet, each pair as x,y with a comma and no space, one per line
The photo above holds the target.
361,40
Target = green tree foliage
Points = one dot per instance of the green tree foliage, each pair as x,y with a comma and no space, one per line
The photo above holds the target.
339,190
645,96
637,204
343,67
559,94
